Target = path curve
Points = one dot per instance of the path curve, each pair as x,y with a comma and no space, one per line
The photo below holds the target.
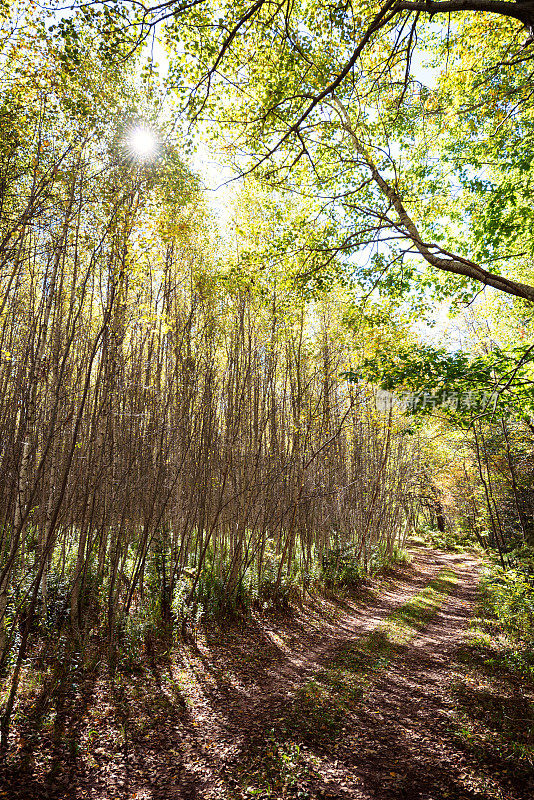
226,719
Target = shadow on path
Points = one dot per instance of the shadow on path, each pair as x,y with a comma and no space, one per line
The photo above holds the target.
308,706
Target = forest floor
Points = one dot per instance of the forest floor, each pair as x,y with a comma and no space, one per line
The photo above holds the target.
376,697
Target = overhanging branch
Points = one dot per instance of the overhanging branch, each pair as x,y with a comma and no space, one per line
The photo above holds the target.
432,253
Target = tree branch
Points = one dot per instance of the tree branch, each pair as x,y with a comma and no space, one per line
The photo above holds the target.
522,11
453,263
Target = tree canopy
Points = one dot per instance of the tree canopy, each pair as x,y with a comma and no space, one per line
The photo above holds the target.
410,121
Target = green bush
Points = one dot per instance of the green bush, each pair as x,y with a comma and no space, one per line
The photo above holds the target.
383,557
504,626
279,595
509,596
450,540
341,567
135,632
186,614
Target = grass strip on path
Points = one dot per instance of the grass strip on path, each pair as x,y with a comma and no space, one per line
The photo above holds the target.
323,701
318,712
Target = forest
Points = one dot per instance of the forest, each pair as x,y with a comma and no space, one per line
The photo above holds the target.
267,399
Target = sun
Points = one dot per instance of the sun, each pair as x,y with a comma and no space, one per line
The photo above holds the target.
142,143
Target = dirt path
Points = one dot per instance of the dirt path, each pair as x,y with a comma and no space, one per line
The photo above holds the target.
249,713
392,745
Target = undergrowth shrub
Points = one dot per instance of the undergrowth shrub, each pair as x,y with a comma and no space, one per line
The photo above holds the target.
186,613
279,595
383,557
57,602
509,595
340,567
135,632
451,540
507,612
400,555
214,595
